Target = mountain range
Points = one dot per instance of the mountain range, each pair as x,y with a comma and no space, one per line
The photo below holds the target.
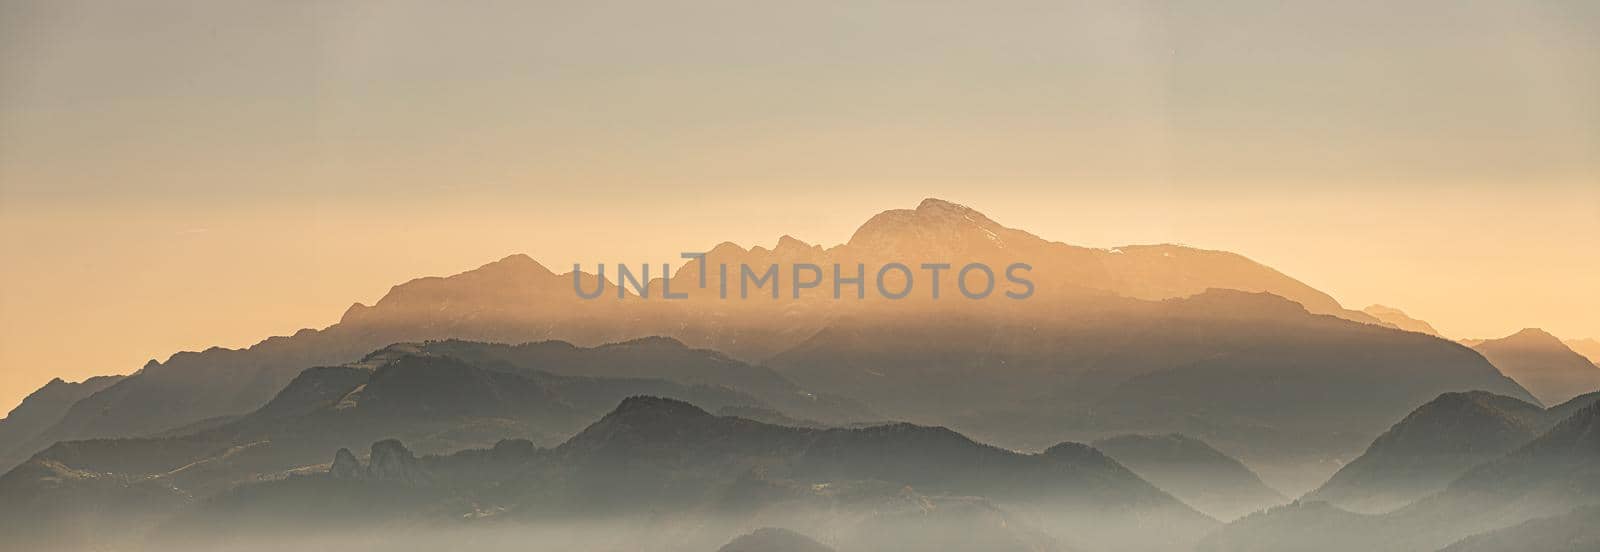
666,475
1399,319
1431,447
438,403
1542,364
517,300
496,404
1575,531
42,409
1553,479
1113,341
1203,477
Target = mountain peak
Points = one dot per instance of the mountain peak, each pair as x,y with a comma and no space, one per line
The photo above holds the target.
790,243
656,407
1240,304
392,461
1542,364
772,539
1429,448
650,343
641,421
1534,335
934,221
936,204
1193,471
728,248
516,263
1526,338
1452,406
345,465
1462,421
1068,450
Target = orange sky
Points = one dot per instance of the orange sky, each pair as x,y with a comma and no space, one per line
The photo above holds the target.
180,175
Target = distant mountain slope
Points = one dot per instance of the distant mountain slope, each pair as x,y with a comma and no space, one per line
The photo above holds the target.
440,403
40,410
659,358
1577,531
1116,352
1297,527
1399,319
517,300
1542,364
1191,470
1432,446
664,436
1550,476
194,386
1560,464
770,416
1567,409
771,539
658,474
1588,347
1253,373
47,505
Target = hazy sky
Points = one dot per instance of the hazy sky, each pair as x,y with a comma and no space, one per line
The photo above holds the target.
180,175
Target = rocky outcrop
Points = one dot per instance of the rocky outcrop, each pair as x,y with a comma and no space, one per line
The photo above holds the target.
346,466
391,461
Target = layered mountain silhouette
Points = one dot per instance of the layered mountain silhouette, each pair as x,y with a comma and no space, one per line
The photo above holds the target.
1191,470
476,398
660,474
660,358
1577,531
1254,373
1554,475
438,403
1567,409
1542,364
1399,319
42,409
1158,338
1432,447
517,300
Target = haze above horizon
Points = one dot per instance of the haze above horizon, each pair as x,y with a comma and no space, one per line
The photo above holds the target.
180,175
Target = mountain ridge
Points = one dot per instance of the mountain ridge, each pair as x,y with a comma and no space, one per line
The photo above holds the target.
1542,364
1552,475
650,455
1203,477
518,300
1399,319
42,408
1431,446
